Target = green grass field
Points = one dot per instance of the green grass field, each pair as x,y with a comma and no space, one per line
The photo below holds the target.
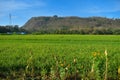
59,57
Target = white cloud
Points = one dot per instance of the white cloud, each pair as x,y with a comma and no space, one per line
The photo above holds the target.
10,5
7,6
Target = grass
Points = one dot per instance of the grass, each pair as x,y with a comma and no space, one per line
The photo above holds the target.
62,57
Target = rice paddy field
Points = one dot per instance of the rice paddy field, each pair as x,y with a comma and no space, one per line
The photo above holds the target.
59,57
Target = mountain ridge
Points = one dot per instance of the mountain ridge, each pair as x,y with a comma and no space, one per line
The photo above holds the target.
69,23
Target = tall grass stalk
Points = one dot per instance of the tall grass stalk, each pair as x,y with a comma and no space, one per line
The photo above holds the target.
106,65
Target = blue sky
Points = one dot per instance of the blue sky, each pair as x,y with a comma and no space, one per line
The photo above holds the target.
23,10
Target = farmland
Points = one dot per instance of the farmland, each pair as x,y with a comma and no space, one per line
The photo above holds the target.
60,57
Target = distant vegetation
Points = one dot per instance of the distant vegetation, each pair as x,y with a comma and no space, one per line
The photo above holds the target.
67,25
9,29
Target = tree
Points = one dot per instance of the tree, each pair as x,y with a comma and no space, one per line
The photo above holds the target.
16,28
55,16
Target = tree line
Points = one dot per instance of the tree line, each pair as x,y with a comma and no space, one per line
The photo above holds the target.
96,31
9,29
89,30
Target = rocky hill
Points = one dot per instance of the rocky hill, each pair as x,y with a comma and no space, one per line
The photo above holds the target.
45,23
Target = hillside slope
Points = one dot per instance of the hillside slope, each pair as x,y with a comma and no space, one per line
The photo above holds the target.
69,23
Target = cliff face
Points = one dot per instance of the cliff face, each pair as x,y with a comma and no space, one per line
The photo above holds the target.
69,23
